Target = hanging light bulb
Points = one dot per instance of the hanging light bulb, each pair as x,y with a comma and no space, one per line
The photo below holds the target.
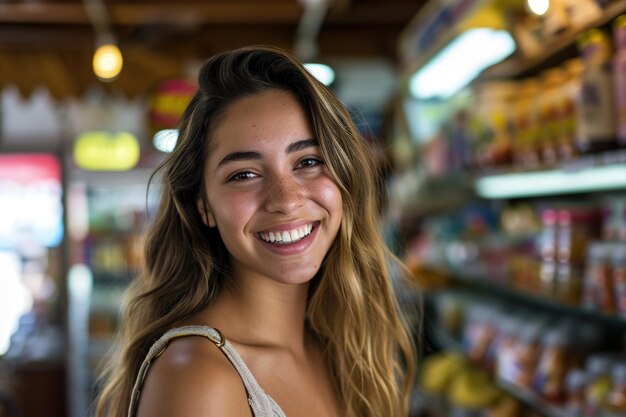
538,7
107,62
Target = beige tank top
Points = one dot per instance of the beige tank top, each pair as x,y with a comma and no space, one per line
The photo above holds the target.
262,405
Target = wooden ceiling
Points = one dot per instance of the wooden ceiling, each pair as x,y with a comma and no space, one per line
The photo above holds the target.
51,42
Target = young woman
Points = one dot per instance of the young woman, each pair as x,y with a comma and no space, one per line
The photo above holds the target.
266,290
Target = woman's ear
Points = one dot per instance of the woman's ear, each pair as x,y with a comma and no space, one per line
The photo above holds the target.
205,213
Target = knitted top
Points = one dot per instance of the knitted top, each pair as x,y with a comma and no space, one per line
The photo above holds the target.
262,405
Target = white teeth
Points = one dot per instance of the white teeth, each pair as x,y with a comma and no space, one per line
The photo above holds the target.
287,236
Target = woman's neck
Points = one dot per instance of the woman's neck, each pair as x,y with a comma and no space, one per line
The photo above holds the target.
262,312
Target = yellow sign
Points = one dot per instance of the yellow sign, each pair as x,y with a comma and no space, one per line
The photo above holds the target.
106,151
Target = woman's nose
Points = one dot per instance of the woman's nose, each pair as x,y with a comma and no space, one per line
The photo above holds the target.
283,195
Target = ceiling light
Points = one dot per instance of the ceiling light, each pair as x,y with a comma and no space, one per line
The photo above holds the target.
460,62
538,7
323,73
107,62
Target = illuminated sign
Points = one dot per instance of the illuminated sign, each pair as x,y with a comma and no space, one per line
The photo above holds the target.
169,102
31,209
106,151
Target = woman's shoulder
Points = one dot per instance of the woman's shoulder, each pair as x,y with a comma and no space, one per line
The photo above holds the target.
192,377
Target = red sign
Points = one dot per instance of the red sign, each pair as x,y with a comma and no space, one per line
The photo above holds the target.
28,168
169,102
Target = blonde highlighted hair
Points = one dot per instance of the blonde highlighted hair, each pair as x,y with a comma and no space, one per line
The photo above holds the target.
351,309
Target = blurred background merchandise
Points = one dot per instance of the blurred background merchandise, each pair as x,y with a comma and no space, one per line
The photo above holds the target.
500,127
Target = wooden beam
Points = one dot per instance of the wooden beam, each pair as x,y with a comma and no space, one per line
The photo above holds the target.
138,14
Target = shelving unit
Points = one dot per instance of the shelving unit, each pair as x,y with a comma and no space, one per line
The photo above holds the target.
114,205
519,66
593,177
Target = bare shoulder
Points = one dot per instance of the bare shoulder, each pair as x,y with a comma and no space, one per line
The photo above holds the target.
193,378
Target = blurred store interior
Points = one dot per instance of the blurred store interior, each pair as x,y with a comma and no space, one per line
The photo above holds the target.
501,131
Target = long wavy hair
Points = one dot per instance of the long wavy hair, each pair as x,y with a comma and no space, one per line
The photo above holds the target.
351,307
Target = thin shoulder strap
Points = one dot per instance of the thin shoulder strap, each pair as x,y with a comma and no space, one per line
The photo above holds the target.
262,405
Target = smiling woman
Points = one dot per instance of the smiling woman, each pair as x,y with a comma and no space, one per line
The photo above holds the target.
268,231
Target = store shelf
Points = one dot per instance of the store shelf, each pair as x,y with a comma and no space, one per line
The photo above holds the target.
529,399
500,291
555,182
520,66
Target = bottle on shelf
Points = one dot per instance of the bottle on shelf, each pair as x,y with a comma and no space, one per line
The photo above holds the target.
526,125
554,363
615,404
548,252
575,384
570,92
596,116
551,109
619,75
598,369
598,291
527,353
618,264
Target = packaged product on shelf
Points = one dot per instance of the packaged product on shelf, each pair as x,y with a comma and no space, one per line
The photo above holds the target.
613,219
576,227
548,252
569,283
505,345
570,92
599,382
494,103
554,363
619,75
526,125
618,264
479,334
598,290
527,353
596,117
615,404
575,384
551,109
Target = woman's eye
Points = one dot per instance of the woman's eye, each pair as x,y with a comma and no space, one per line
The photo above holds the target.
309,162
242,176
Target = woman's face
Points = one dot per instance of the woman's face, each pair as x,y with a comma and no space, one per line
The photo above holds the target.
269,192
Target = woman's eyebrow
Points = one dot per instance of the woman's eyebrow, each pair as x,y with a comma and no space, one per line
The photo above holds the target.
251,155
239,156
302,144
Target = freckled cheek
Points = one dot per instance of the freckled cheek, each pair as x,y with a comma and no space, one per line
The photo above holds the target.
234,210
